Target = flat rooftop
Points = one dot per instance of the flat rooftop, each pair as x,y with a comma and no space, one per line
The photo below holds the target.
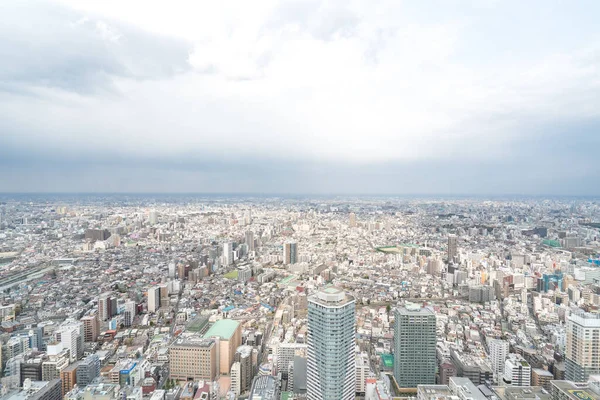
575,392
223,328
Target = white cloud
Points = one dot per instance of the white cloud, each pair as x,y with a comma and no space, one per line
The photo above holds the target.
358,82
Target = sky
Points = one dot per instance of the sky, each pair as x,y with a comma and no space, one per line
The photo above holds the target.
303,96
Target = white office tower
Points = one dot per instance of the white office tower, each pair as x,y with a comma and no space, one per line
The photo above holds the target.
153,299
153,217
582,355
362,371
331,341
227,253
517,371
498,354
129,313
236,377
286,353
70,334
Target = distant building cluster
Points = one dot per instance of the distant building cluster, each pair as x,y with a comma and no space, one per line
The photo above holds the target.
184,298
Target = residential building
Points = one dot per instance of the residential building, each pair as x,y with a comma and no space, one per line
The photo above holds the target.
415,346
331,341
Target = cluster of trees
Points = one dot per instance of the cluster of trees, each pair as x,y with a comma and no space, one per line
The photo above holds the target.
169,384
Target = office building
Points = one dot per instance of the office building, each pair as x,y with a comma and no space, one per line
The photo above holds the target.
582,354
568,390
517,371
91,328
88,369
363,371
265,388
464,389
68,378
227,253
286,353
153,217
447,370
129,313
71,334
229,337
481,294
31,368
498,350
331,341
290,253
236,377
541,377
243,357
250,240
36,390
153,299
434,392
94,235
193,358
164,295
352,220
106,306
52,368
415,346
452,247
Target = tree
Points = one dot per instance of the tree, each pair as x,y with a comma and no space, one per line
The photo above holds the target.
388,308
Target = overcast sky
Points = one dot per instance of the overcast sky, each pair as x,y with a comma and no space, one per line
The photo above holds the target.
403,97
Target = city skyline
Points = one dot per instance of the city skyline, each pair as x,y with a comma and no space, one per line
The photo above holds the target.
308,97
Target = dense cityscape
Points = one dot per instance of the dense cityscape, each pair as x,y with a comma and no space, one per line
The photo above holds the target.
181,297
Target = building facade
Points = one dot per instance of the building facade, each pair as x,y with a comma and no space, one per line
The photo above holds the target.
415,346
331,341
583,342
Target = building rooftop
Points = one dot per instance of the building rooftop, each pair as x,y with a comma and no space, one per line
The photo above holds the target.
522,393
331,296
224,328
574,391
414,309
31,390
193,341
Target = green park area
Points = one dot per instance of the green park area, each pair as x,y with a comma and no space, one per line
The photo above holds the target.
232,275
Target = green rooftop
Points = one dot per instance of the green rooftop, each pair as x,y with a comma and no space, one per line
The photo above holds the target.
287,279
285,395
388,360
551,243
224,328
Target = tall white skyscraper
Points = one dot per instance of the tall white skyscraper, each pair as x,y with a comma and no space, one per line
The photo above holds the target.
498,354
153,298
71,336
228,253
331,364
